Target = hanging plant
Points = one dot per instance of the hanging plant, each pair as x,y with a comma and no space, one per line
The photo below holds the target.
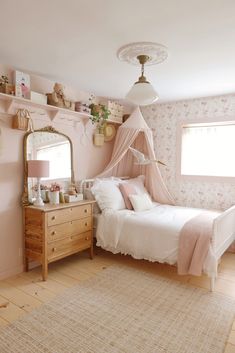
100,115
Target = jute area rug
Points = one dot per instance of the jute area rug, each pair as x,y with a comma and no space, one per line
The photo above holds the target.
124,310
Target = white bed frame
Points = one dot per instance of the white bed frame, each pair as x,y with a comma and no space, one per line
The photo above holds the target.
223,224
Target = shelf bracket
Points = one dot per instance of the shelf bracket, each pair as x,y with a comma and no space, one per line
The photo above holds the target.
8,105
54,114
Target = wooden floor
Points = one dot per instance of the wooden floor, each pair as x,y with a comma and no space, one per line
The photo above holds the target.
22,293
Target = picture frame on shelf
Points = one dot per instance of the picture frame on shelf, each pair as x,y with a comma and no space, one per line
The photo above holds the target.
22,84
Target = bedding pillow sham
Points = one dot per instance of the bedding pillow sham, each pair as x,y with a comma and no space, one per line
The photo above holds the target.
126,190
107,194
141,202
138,184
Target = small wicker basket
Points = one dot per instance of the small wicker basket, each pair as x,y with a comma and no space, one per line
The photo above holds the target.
20,121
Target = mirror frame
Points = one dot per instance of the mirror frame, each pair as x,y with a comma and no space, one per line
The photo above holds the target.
50,129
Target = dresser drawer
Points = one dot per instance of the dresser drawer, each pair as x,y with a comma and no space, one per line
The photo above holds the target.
68,214
63,230
69,245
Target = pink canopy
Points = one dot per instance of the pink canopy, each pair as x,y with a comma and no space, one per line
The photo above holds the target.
136,133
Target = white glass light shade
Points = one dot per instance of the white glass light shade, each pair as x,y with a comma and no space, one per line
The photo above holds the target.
142,93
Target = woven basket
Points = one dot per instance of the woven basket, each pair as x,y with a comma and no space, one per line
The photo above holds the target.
20,121
98,139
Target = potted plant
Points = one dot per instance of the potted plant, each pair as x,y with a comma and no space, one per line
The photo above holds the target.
5,86
100,115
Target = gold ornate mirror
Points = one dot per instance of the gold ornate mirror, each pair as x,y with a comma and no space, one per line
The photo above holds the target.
55,147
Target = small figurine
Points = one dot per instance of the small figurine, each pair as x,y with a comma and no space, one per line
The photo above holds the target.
58,98
72,190
58,93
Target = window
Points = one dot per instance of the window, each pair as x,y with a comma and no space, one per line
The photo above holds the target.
208,149
59,157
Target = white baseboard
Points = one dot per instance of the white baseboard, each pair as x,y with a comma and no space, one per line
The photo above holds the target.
11,272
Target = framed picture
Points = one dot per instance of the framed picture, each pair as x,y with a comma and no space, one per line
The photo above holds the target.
22,84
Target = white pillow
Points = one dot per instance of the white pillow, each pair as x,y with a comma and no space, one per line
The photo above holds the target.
107,194
138,184
141,202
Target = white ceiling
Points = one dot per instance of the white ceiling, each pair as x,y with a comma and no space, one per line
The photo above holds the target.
76,41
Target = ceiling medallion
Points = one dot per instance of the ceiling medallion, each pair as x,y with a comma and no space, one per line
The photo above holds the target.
157,53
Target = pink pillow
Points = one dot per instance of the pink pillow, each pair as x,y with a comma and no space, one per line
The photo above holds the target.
126,190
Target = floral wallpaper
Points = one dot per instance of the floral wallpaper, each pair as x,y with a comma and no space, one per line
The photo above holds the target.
163,118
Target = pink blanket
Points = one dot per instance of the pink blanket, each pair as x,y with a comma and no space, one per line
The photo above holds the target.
194,243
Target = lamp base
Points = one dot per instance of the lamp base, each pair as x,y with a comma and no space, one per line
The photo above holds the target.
39,200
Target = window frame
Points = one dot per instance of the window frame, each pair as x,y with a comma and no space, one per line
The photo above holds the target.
179,133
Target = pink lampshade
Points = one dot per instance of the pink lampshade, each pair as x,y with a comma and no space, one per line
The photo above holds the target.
38,169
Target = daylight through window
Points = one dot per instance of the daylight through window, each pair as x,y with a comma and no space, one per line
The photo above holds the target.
208,149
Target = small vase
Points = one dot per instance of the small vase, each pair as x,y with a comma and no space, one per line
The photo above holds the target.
98,139
54,197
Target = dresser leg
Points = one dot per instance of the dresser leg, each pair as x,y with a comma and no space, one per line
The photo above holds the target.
44,271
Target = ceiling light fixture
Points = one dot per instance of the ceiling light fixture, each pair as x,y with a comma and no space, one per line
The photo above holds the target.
142,53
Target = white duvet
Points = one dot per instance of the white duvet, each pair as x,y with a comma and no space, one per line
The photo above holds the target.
152,235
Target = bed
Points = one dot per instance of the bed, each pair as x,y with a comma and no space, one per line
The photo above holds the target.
154,234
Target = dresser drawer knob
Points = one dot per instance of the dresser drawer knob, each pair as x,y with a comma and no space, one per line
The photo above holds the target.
53,249
87,238
86,224
54,232
85,210
53,218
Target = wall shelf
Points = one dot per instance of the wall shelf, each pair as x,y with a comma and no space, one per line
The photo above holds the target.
10,104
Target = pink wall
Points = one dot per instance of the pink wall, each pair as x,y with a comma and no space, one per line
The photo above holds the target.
88,161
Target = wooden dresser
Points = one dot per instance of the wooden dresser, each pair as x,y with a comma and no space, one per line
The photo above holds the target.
55,231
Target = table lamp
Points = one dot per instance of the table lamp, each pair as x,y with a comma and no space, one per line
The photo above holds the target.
38,169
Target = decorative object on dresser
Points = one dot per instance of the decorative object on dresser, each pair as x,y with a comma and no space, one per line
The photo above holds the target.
48,144
58,98
54,194
38,169
54,232
73,198
73,194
